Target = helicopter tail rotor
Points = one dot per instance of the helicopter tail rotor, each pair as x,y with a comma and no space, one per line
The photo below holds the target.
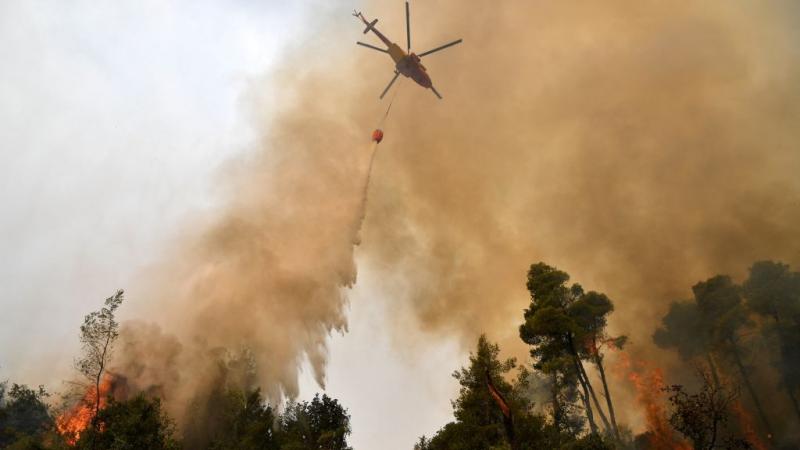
370,26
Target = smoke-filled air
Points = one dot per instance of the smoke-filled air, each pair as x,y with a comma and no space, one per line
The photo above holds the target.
607,194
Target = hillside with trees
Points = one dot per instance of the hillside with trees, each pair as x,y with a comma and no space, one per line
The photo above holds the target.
738,344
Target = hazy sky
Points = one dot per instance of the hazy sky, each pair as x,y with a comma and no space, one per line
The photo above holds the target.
114,119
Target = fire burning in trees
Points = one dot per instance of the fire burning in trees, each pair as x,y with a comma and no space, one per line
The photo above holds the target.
74,421
649,384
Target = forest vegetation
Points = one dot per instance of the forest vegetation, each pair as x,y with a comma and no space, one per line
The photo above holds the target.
738,343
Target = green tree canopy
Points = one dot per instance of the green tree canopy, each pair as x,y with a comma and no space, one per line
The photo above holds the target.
474,405
684,329
99,332
135,424
323,423
24,415
564,325
713,324
773,291
480,424
246,423
479,421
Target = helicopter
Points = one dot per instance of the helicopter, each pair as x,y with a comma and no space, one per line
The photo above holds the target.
406,62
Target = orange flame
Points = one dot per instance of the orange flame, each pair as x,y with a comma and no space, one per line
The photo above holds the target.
73,422
649,385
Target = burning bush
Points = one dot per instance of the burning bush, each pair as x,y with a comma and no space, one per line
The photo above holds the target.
77,419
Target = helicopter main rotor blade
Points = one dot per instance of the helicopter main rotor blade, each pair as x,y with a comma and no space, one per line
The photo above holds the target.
372,47
396,74
440,48
408,28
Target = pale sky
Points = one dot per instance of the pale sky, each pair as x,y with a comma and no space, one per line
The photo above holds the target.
114,119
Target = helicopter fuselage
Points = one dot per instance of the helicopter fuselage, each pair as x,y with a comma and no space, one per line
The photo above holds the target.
408,64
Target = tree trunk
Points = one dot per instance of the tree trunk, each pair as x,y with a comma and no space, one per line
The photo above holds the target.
586,401
512,439
579,373
713,368
743,372
715,423
792,397
784,379
556,404
587,405
101,368
599,362
97,394
594,396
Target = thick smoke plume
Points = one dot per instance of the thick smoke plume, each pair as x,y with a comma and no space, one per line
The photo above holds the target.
640,146
264,284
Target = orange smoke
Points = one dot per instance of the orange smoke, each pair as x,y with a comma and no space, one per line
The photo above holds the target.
649,384
747,427
590,346
73,422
